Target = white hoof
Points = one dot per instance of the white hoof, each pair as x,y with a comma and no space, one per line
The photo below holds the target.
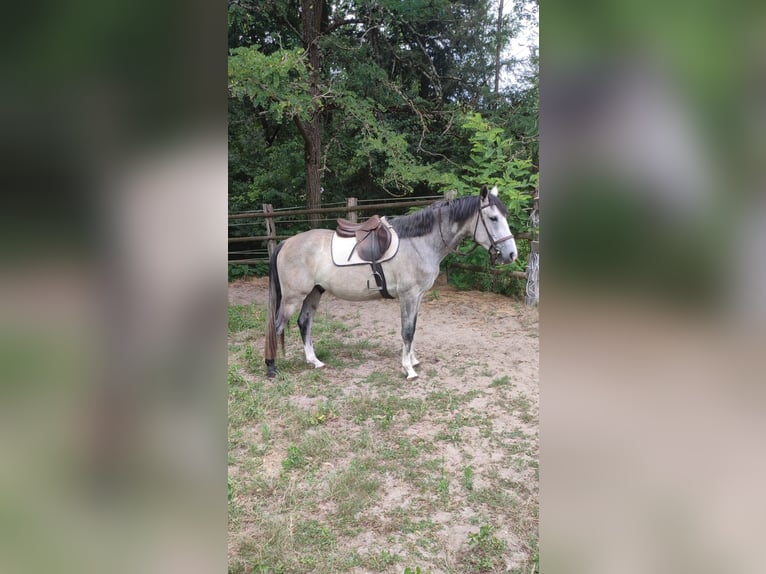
411,374
318,364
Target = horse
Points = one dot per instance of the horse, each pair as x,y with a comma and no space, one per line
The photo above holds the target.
301,268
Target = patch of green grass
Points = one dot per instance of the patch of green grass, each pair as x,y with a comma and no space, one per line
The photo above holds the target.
244,317
468,478
491,497
384,409
450,435
294,459
321,415
234,377
401,450
442,488
314,535
353,489
379,561
503,381
486,551
382,379
317,447
523,407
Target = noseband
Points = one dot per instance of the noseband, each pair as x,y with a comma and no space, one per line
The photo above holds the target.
494,250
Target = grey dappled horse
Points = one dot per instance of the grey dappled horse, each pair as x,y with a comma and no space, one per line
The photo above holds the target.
301,268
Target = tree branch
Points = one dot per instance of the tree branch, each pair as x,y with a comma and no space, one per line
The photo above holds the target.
302,129
335,25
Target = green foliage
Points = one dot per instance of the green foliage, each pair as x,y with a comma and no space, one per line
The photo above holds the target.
494,162
277,83
404,104
241,271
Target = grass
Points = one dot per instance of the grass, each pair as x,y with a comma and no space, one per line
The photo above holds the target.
335,472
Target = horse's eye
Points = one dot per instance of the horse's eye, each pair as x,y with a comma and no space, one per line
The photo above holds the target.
493,218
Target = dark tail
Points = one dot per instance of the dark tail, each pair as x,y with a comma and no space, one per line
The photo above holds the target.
275,301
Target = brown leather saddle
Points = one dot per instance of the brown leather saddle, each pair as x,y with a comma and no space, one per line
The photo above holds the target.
373,237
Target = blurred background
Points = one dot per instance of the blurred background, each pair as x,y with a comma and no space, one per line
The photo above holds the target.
654,288
113,287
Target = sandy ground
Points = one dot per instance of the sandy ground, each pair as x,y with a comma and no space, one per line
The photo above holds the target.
453,326
465,340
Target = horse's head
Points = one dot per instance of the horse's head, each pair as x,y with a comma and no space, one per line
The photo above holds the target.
492,229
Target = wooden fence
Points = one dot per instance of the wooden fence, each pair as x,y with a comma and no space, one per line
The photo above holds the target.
350,211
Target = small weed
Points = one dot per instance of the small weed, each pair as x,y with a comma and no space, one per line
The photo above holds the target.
265,433
234,378
294,459
487,550
324,413
523,407
442,488
468,478
503,381
380,561
451,435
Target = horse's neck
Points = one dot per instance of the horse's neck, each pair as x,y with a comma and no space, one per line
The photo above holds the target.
443,240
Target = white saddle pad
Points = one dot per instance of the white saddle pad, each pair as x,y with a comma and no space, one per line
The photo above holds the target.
342,248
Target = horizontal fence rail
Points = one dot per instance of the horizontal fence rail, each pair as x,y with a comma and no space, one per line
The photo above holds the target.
270,216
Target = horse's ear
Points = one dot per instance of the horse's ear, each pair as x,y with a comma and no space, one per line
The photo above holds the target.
493,191
484,191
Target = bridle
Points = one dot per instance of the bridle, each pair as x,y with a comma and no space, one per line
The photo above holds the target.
494,250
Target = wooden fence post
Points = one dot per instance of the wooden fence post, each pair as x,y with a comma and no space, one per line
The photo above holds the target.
533,261
271,229
351,213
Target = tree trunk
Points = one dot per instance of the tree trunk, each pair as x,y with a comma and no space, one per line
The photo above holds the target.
497,47
311,19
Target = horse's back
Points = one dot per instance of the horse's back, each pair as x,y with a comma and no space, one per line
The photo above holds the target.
304,248
305,260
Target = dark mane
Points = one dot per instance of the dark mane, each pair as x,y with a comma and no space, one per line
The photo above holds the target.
455,210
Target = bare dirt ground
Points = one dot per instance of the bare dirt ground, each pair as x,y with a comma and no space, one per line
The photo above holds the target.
478,420
456,326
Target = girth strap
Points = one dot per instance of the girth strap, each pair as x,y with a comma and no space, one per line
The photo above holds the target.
380,279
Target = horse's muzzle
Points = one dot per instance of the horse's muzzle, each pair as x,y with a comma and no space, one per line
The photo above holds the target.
495,254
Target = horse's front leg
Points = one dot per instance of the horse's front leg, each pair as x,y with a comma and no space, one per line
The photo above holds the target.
409,305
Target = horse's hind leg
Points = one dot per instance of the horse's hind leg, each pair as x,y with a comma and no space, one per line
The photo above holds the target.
305,319
409,306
